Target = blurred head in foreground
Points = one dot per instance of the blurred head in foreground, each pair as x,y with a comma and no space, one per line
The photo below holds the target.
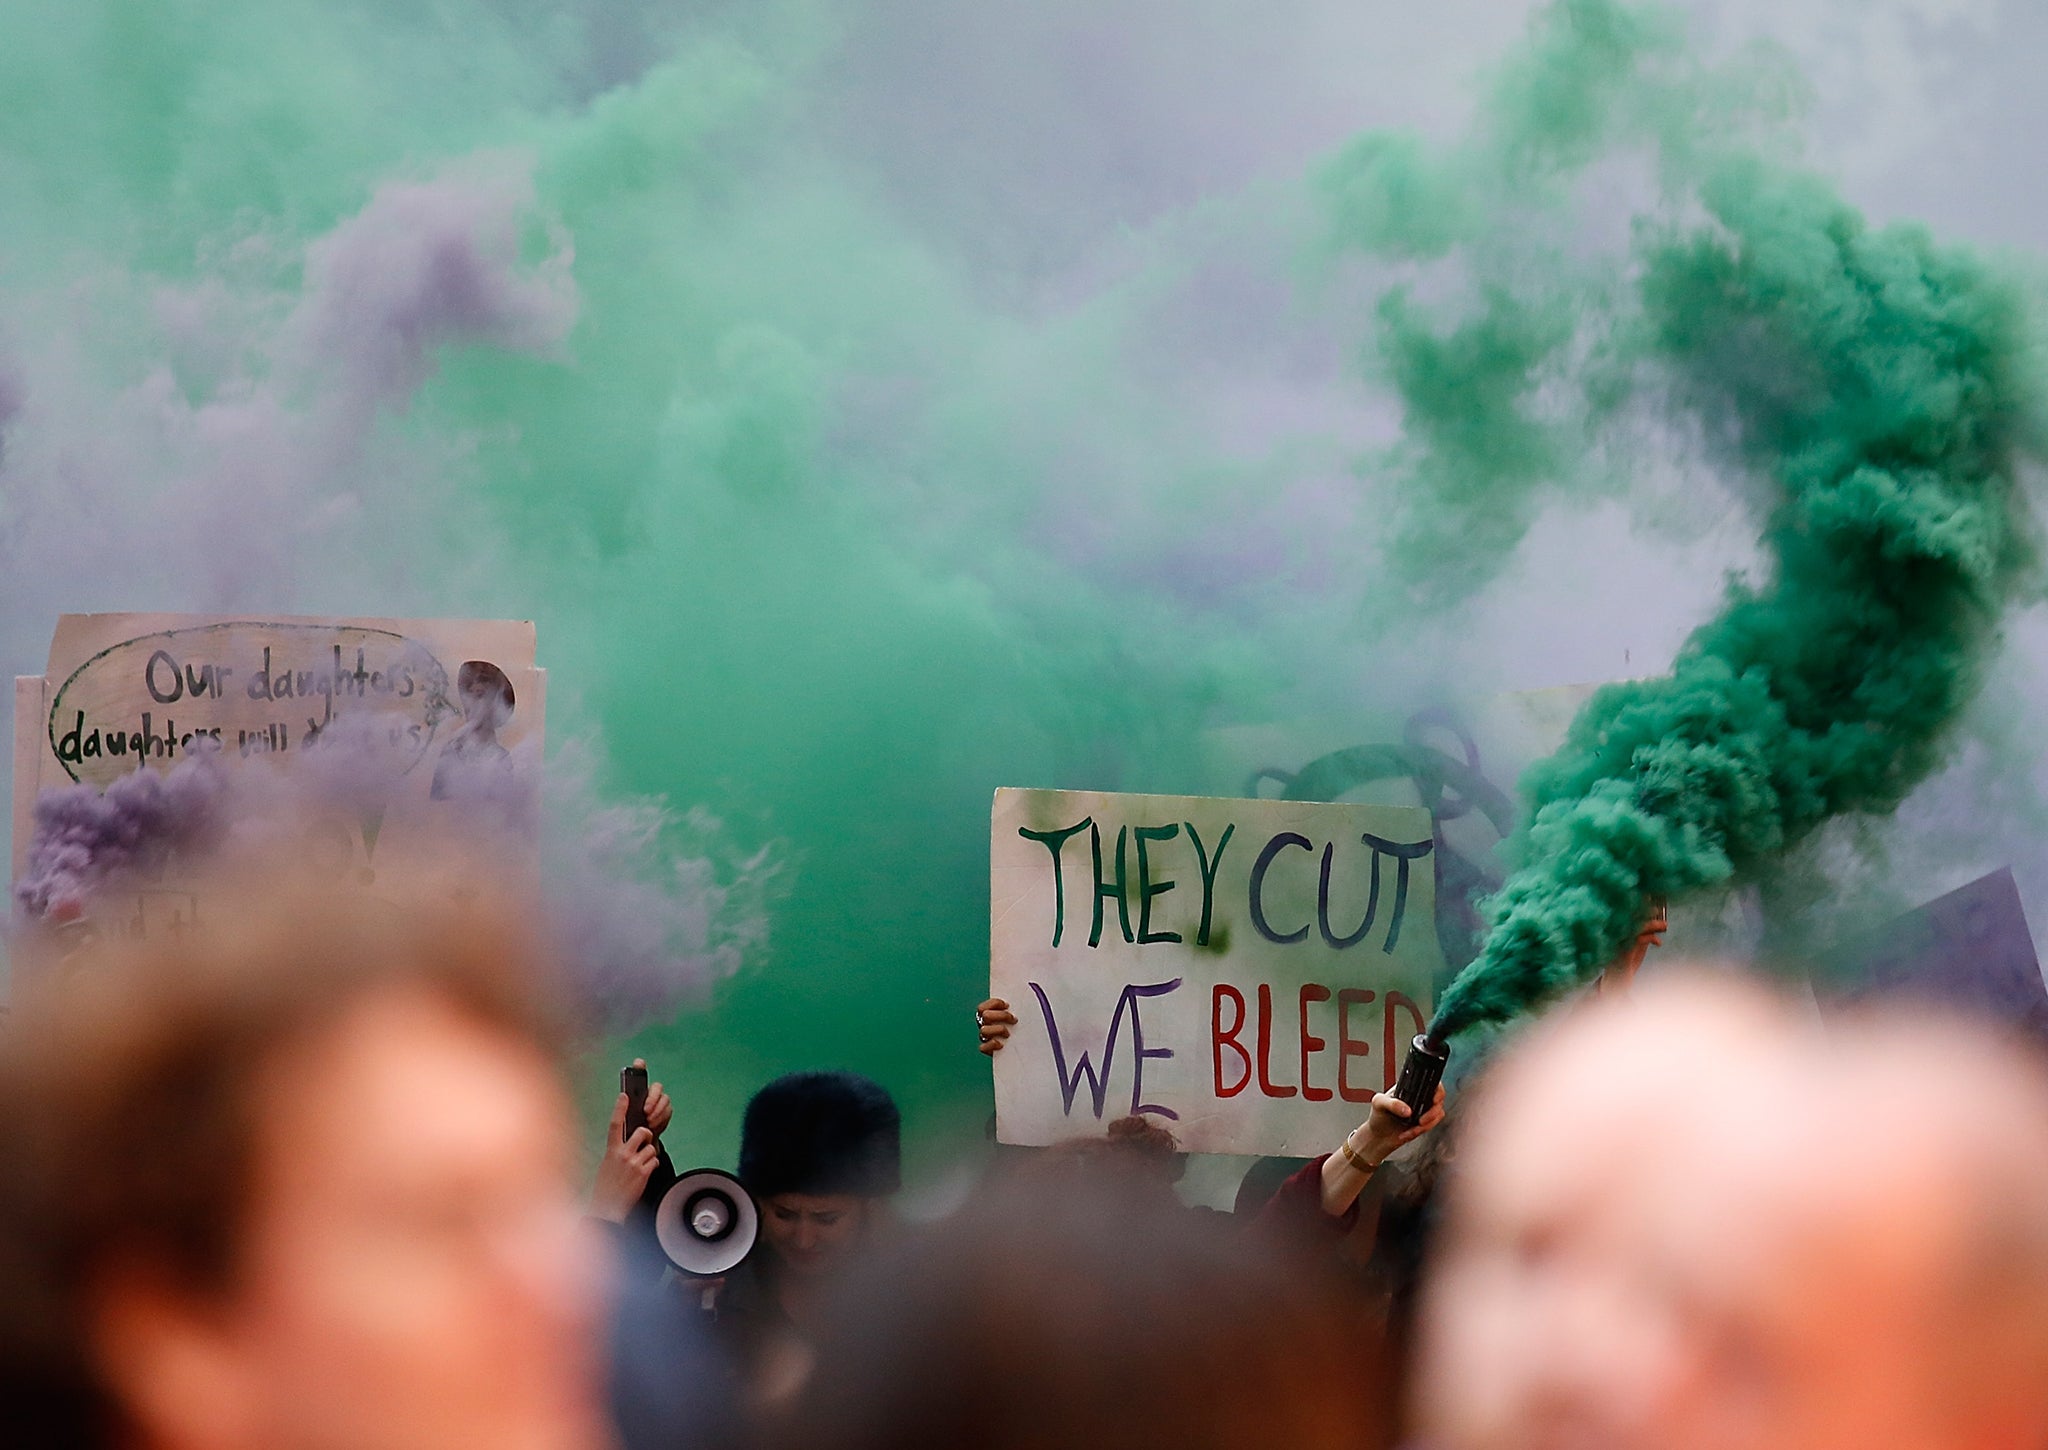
1077,1312
298,1179
1695,1221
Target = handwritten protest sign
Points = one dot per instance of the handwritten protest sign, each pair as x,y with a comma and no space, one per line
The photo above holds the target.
1249,972
410,700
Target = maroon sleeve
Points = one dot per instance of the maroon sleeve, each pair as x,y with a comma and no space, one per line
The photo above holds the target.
1295,1211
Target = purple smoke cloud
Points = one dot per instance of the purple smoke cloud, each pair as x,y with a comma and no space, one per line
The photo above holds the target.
85,838
425,265
647,908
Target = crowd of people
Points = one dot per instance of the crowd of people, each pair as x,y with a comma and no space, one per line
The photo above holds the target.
311,1180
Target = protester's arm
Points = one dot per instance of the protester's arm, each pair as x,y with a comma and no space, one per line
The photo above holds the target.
1344,1173
660,1113
1321,1199
636,1234
995,1019
623,1172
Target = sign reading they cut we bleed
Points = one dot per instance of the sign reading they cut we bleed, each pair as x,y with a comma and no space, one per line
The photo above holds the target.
1248,972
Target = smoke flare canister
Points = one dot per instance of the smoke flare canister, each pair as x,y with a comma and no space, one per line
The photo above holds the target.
1420,1074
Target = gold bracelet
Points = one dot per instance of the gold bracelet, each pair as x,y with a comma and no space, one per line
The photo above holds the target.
1351,1157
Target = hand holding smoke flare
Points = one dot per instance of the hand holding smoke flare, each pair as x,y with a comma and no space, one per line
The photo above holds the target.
1876,386
1879,383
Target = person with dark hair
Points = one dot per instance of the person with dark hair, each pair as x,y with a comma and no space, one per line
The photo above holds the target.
821,1152
820,1135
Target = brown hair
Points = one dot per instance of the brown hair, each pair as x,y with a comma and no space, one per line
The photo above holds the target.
1132,1148
128,1111
1084,1311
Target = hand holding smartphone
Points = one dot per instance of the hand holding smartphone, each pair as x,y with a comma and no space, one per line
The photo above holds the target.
633,1083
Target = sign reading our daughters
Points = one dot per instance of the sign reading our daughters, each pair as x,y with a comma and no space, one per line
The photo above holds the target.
248,687
405,712
1249,972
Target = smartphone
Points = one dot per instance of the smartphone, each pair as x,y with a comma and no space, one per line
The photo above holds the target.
633,1083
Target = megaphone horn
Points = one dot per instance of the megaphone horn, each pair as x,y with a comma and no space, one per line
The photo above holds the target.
707,1223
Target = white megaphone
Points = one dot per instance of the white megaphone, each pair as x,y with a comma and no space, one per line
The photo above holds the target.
707,1223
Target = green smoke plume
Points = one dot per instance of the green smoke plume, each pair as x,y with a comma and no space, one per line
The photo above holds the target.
1873,390
841,495
860,445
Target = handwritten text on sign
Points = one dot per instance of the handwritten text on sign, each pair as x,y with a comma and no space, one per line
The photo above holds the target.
1247,971
243,686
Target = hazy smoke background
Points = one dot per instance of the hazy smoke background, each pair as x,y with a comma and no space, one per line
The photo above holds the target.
872,404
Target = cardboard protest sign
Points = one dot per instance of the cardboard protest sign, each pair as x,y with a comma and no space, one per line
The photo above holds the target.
1248,971
1969,951
396,705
